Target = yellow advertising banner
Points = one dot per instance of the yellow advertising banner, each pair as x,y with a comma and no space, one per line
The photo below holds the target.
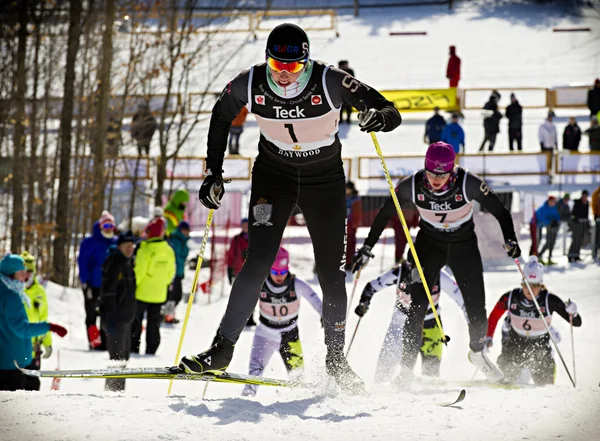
420,100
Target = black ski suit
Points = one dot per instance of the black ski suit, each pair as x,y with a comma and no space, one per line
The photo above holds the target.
446,237
298,164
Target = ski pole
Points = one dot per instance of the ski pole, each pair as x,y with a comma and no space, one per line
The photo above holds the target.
353,335
573,347
537,306
353,291
445,338
193,292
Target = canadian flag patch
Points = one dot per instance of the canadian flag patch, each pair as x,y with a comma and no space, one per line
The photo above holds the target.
259,99
421,197
458,198
263,295
315,100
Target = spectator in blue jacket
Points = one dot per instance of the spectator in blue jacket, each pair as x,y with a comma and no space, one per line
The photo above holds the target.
434,127
16,331
178,241
454,135
548,217
93,251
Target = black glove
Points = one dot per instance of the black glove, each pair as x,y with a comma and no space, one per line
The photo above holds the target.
361,258
371,120
230,274
212,190
512,248
362,309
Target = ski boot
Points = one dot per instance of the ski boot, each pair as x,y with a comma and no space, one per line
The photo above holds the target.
337,366
217,358
489,369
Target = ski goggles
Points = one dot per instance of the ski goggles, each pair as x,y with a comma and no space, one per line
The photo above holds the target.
433,175
107,226
291,67
282,272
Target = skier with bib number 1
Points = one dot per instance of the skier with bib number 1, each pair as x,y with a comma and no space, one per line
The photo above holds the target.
297,102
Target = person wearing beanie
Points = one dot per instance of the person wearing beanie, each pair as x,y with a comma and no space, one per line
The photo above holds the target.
525,340
37,311
444,194
178,241
296,101
277,330
175,209
16,331
154,272
119,304
93,251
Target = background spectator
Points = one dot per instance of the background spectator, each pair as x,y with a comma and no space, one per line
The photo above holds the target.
154,272
143,126
454,135
37,311
118,304
178,241
571,136
594,133
434,127
491,121
453,68
343,65
547,134
235,131
514,113
563,208
593,98
93,251
175,209
596,214
354,206
16,331
237,251
548,217
580,225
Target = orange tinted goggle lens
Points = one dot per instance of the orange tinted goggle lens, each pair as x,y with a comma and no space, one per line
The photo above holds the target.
280,66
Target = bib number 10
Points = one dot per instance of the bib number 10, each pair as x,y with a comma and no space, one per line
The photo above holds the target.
279,311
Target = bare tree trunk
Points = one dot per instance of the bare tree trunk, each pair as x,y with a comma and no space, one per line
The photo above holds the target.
30,229
102,108
61,272
16,229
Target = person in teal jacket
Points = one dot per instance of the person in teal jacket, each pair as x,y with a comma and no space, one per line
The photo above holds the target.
16,331
178,241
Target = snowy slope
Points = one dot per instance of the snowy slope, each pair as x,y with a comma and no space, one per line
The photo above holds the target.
82,410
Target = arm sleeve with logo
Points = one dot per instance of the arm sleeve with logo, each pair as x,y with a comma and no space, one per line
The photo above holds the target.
227,107
307,293
557,305
388,210
477,189
345,89
389,278
498,311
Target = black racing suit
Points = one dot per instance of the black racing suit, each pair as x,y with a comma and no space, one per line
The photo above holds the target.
299,164
446,237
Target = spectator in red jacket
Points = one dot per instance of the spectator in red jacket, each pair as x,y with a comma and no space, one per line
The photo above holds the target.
236,254
453,69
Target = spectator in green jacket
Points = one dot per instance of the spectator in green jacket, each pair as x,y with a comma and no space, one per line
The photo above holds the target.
37,311
178,241
154,272
175,209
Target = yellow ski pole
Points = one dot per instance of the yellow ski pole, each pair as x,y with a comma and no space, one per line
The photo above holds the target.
193,292
445,338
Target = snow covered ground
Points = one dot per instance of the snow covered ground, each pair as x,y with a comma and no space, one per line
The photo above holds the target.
82,410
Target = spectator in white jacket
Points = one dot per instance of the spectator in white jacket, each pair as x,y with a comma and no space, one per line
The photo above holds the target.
547,134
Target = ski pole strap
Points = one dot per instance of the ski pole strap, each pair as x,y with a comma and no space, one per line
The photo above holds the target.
445,338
